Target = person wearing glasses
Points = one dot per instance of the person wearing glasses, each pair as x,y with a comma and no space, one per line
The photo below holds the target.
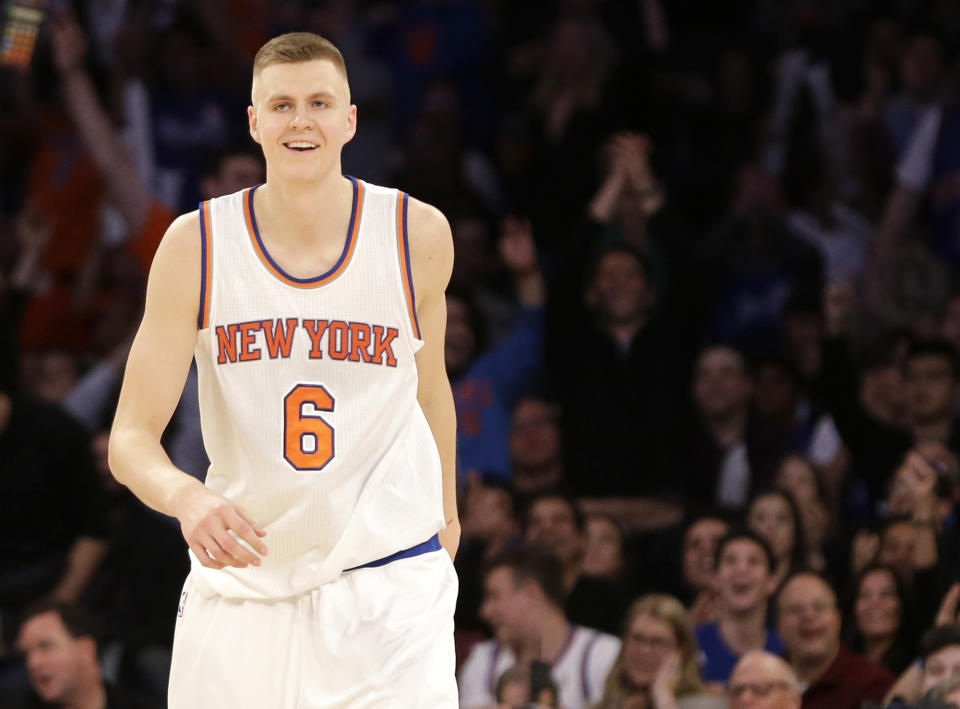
658,664
809,622
761,680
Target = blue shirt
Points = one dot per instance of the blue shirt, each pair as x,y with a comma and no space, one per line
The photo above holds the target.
718,659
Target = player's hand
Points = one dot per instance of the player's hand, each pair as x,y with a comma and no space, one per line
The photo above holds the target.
212,525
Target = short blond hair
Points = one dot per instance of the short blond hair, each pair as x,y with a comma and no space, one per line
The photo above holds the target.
296,47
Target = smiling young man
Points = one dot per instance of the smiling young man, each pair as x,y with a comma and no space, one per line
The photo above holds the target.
744,581
314,306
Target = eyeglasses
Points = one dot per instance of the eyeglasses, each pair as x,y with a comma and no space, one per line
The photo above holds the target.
652,641
758,689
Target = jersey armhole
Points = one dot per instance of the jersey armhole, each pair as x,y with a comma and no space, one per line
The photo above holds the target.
206,266
406,271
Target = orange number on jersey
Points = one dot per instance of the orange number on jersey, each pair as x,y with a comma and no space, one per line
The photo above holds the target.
307,438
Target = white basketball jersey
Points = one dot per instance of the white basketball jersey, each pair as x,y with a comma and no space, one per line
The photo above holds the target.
308,397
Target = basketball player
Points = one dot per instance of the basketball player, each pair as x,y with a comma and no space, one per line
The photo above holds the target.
314,306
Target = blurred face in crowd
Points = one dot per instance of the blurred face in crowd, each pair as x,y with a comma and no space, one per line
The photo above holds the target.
761,680
775,393
796,476
460,340
534,445
507,605
700,550
929,387
648,642
921,67
940,665
897,544
770,517
237,171
721,385
603,551
808,620
296,104
515,693
60,666
552,524
744,579
877,606
56,376
619,292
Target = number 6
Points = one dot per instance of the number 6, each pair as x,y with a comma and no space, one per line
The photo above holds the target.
300,429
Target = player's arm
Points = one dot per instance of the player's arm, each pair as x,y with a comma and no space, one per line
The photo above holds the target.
431,252
153,382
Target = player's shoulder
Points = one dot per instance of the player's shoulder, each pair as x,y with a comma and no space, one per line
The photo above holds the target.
429,234
181,245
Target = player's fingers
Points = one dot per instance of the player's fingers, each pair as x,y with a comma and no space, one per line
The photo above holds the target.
258,531
217,551
204,558
237,550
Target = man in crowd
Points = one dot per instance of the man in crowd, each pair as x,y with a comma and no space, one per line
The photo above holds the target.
809,621
744,582
523,604
554,522
762,680
58,642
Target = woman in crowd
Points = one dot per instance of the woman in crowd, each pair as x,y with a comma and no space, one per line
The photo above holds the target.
879,618
798,476
658,663
774,516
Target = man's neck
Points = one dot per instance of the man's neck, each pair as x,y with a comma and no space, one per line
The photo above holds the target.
549,643
727,428
744,631
625,331
810,670
305,207
93,696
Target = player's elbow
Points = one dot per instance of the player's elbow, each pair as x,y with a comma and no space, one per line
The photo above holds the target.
115,454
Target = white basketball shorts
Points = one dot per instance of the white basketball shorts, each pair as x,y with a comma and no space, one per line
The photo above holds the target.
374,637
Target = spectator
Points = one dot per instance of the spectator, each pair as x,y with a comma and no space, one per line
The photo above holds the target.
762,680
797,476
657,666
699,564
535,447
879,618
514,689
604,552
809,621
523,603
774,516
554,522
488,383
51,495
745,581
60,646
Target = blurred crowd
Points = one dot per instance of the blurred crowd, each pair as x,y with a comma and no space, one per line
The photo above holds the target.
703,334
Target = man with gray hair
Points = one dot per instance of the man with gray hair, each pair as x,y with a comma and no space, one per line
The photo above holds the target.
761,680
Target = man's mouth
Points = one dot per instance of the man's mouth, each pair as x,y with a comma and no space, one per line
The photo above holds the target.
301,145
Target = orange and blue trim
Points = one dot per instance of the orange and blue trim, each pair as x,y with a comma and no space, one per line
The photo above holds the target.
206,266
406,272
339,267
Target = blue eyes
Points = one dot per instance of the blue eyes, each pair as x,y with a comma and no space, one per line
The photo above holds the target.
285,106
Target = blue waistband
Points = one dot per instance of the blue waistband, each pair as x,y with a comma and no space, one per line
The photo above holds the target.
432,544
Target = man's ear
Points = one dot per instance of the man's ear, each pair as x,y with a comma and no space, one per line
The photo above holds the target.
252,121
351,123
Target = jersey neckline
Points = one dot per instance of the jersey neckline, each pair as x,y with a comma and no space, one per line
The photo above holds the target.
336,270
